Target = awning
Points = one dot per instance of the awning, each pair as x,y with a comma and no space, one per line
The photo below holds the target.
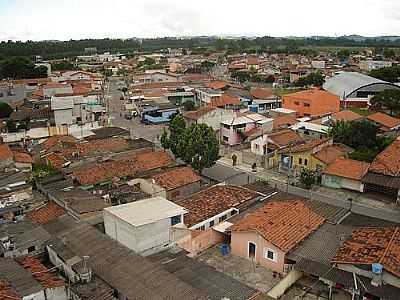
222,227
382,180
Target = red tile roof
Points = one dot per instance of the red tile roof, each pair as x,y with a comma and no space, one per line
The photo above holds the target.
46,213
197,114
306,146
58,139
217,85
56,160
284,122
252,60
372,245
5,152
347,168
261,93
388,161
346,115
224,100
330,153
7,291
47,279
140,162
212,201
22,157
284,224
313,95
387,122
285,137
176,178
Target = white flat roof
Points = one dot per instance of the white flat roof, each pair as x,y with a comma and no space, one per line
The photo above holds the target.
283,110
222,227
146,211
310,126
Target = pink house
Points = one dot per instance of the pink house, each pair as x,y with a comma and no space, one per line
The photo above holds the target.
272,231
234,130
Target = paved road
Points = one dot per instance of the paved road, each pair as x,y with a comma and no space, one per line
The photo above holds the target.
116,111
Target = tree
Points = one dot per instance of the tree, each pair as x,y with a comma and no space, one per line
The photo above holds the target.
389,53
164,140
21,68
390,74
387,99
176,128
62,66
307,177
5,110
189,105
315,79
343,54
241,76
198,147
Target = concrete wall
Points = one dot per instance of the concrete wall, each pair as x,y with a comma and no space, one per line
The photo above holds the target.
240,245
59,293
35,296
198,241
184,191
277,291
63,117
148,187
342,183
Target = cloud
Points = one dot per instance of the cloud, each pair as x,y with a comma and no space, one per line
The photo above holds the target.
73,19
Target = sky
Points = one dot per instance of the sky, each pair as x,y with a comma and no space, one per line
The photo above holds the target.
77,19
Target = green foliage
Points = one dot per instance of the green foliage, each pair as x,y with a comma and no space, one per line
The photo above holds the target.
189,105
343,54
315,79
388,53
198,147
63,66
241,76
148,61
176,128
5,110
387,99
362,136
206,66
41,171
107,72
21,68
307,177
164,140
11,126
390,74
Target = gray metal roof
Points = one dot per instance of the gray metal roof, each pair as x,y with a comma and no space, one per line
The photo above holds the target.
135,276
346,83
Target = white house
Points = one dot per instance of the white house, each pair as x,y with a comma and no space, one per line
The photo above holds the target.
145,226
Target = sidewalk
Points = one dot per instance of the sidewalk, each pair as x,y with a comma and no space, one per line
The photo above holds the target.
361,204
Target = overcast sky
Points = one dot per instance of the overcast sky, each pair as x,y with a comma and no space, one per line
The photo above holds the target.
75,19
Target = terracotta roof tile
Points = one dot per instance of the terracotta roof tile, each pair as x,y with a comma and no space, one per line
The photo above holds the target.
197,114
388,161
261,93
56,160
217,85
346,115
176,178
224,100
285,137
284,224
22,157
7,291
306,146
46,213
5,152
214,200
386,121
284,122
330,153
57,139
347,168
47,279
372,245
140,162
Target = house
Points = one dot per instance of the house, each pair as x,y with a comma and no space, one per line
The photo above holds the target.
283,122
225,101
372,254
138,163
6,156
12,93
211,116
267,235
171,184
309,130
263,100
345,116
369,65
384,173
356,89
144,226
206,95
345,173
311,103
280,111
234,130
296,157
385,122
252,63
27,278
214,205
158,113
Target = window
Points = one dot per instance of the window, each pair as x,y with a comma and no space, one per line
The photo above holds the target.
296,103
300,161
225,138
1,94
212,223
175,220
306,132
256,146
233,212
31,249
203,227
306,104
305,162
270,254
223,218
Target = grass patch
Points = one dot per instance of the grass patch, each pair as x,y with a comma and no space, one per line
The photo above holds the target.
361,111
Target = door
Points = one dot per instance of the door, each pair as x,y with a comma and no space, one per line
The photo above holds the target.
252,250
